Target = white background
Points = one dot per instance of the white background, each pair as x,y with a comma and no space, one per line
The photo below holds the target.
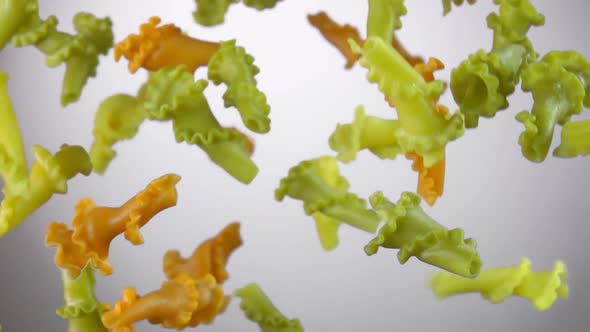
514,208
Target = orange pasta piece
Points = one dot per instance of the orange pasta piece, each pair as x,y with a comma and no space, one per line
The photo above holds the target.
179,303
431,180
70,255
212,301
338,36
171,306
95,227
165,46
209,258
427,69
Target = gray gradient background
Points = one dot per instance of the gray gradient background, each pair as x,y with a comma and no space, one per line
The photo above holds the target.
513,208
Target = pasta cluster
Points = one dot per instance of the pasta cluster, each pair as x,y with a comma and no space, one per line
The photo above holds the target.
194,292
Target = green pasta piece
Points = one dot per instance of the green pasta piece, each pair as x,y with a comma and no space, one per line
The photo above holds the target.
235,68
79,52
475,84
421,128
574,63
13,164
384,18
81,308
482,84
327,229
559,86
118,118
48,176
447,4
318,183
513,22
408,228
495,285
575,140
25,191
13,14
231,65
172,94
366,132
212,12
261,4
259,309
